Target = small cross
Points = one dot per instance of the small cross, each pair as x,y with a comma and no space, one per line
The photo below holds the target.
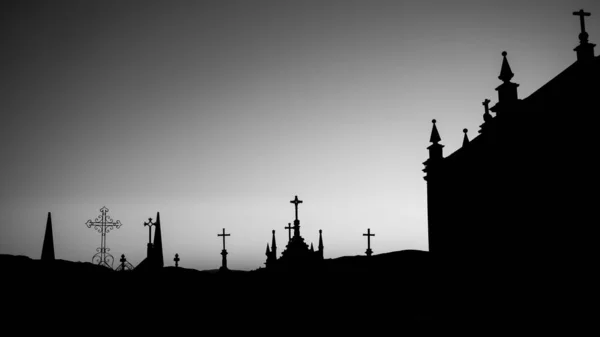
582,16
223,235
486,104
176,259
296,202
289,228
149,224
368,235
123,260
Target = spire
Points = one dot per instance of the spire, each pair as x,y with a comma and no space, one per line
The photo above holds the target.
158,248
466,138
268,252
274,246
435,149
48,246
507,91
312,248
585,50
505,73
321,247
435,135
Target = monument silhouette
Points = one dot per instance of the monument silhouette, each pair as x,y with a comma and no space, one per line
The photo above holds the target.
154,259
513,194
296,256
48,246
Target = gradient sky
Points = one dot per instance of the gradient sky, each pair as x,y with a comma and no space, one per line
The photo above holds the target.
216,113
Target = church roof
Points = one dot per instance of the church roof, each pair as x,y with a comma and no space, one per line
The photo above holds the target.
567,85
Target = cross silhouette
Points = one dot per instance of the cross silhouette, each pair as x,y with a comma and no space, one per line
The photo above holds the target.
223,235
368,235
289,228
123,260
176,259
486,104
103,224
582,16
149,224
296,202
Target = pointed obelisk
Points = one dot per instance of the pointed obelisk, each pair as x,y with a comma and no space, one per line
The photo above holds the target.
158,248
48,247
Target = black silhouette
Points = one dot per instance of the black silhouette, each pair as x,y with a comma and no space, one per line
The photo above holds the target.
103,224
585,50
289,228
511,196
176,259
48,246
149,224
369,252
154,259
224,252
297,256
124,266
271,253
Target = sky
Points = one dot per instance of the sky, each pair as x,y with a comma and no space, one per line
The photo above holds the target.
217,113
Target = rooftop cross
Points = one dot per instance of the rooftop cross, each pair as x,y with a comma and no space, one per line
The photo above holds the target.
289,228
223,235
368,235
103,224
486,104
296,202
176,259
582,16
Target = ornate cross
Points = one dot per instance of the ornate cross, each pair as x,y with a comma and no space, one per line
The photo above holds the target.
103,224
296,202
582,16
368,235
223,235
149,224
176,259
289,228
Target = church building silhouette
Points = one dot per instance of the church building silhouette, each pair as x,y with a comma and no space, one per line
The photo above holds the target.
522,190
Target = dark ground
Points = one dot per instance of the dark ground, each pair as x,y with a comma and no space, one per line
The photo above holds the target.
388,294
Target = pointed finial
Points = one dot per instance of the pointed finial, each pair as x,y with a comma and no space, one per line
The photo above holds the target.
435,135
466,138
268,252
505,73
312,248
320,240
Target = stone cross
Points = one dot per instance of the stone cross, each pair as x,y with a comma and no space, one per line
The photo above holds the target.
582,16
289,228
223,235
368,235
176,259
296,202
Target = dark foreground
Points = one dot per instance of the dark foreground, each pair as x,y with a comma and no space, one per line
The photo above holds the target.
421,297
